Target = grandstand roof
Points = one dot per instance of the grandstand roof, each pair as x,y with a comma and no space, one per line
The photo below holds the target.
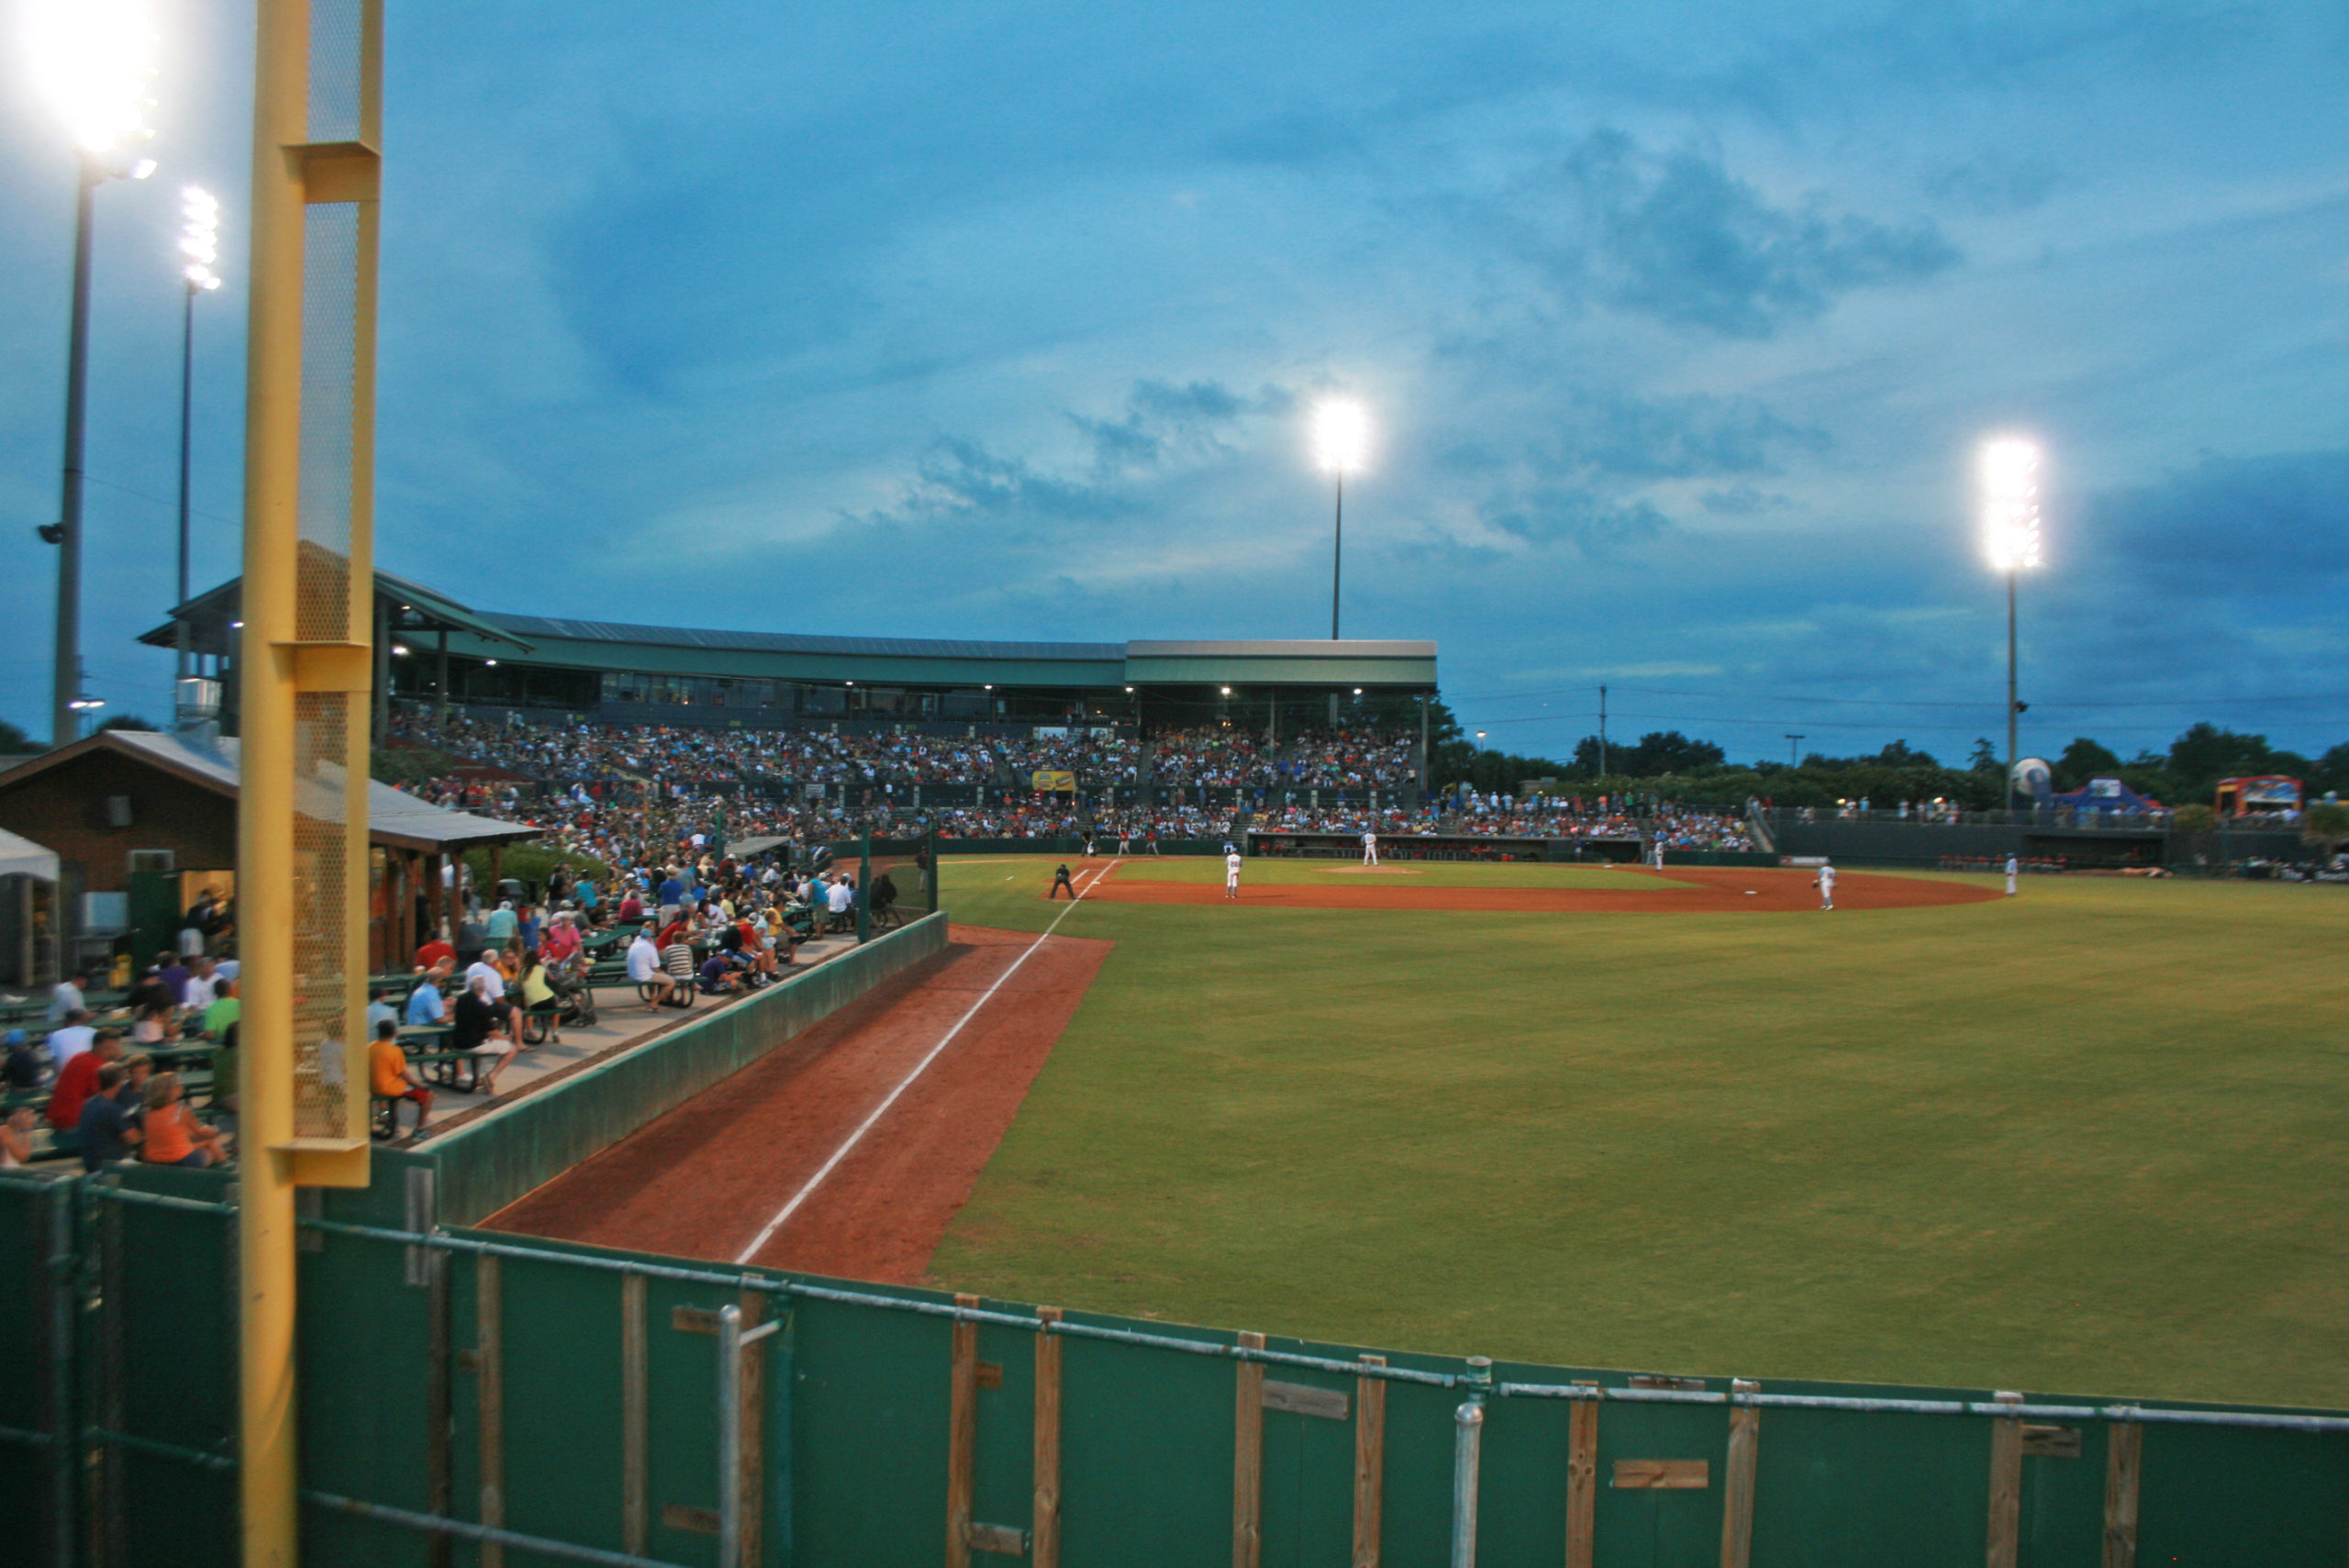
796,642
578,644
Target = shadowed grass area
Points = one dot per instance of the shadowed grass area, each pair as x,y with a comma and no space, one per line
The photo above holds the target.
2092,1139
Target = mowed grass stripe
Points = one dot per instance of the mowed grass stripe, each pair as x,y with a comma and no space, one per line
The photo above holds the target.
2091,1140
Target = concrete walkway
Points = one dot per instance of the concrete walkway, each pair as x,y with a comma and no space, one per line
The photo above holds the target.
621,1021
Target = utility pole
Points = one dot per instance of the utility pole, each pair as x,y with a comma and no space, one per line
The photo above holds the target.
1794,749
1602,732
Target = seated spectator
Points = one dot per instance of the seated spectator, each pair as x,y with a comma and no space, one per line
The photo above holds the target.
69,996
424,1004
473,1023
173,1135
151,1025
136,1068
21,1070
172,975
391,1077
379,1009
433,952
70,1039
203,984
537,992
677,958
645,971
78,1080
110,1131
562,937
16,1138
718,977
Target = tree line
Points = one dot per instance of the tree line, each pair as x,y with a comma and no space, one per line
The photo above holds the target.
1670,763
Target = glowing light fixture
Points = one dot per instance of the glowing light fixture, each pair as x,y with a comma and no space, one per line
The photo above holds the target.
2010,479
2011,503
1340,435
199,238
95,61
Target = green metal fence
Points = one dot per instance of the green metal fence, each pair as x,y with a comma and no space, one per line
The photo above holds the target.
477,1397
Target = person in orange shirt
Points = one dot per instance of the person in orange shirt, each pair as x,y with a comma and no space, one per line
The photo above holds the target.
173,1135
391,1078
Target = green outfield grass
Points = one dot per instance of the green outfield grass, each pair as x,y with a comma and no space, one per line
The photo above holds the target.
2091,1140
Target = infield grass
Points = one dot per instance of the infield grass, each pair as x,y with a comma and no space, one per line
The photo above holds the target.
2093,1138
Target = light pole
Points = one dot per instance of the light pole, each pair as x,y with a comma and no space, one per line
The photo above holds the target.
1794,750
1341,436
2010,535
95,61
200,245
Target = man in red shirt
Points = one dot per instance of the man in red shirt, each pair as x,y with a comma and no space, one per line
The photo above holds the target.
78,1080
433,952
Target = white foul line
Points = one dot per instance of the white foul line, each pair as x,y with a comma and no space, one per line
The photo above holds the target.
906,1082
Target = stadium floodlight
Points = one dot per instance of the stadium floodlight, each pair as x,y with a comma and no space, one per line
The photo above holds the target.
2009,477
2011,503
199,238
1341,441
93,61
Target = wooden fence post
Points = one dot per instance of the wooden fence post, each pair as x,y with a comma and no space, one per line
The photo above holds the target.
1370,1463
1248,1460
751,1477
489,1353
1582,1481
1045,1529
1737,1486
635,1405
2124,1463
2006,1485
962,1437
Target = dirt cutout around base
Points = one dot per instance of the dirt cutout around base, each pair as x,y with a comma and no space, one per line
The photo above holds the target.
703,1180
1682,890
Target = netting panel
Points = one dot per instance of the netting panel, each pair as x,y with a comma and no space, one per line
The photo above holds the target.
322,905
335,77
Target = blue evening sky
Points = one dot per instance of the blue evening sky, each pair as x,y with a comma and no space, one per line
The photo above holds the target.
1679,323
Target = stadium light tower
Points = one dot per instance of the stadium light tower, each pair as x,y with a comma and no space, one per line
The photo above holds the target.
1340,439
2011,536
93,60
199,249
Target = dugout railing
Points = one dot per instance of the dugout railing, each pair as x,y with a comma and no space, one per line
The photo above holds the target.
469,1397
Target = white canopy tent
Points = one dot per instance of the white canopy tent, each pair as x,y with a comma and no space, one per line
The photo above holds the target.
22,857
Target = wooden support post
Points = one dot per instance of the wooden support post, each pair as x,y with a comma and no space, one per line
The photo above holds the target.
962,1437
1044,1530
1248,1461
489,1347
754,1392
1737,1485
2124,1463
1582,1481
439,1463
1370,1464
635,1417
2006,1486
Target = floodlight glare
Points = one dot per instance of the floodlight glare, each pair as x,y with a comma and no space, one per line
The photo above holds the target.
1340,436
199,237
94,59
2011,503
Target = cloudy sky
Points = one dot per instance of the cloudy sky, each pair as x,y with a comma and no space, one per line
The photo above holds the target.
1679,324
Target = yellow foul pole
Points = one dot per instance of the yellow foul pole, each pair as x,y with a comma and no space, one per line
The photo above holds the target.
305,666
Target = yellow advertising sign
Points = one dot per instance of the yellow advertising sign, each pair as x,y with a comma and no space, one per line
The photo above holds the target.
1050,779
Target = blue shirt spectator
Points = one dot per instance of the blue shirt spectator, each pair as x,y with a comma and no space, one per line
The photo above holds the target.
424,1005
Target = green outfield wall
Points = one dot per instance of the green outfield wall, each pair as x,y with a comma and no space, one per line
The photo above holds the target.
567,1399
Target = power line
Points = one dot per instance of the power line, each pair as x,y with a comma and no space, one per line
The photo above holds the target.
1899,702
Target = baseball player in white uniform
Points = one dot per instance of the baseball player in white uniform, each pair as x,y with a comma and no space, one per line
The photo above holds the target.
1369,848
2011,868
1232,872
1827,887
